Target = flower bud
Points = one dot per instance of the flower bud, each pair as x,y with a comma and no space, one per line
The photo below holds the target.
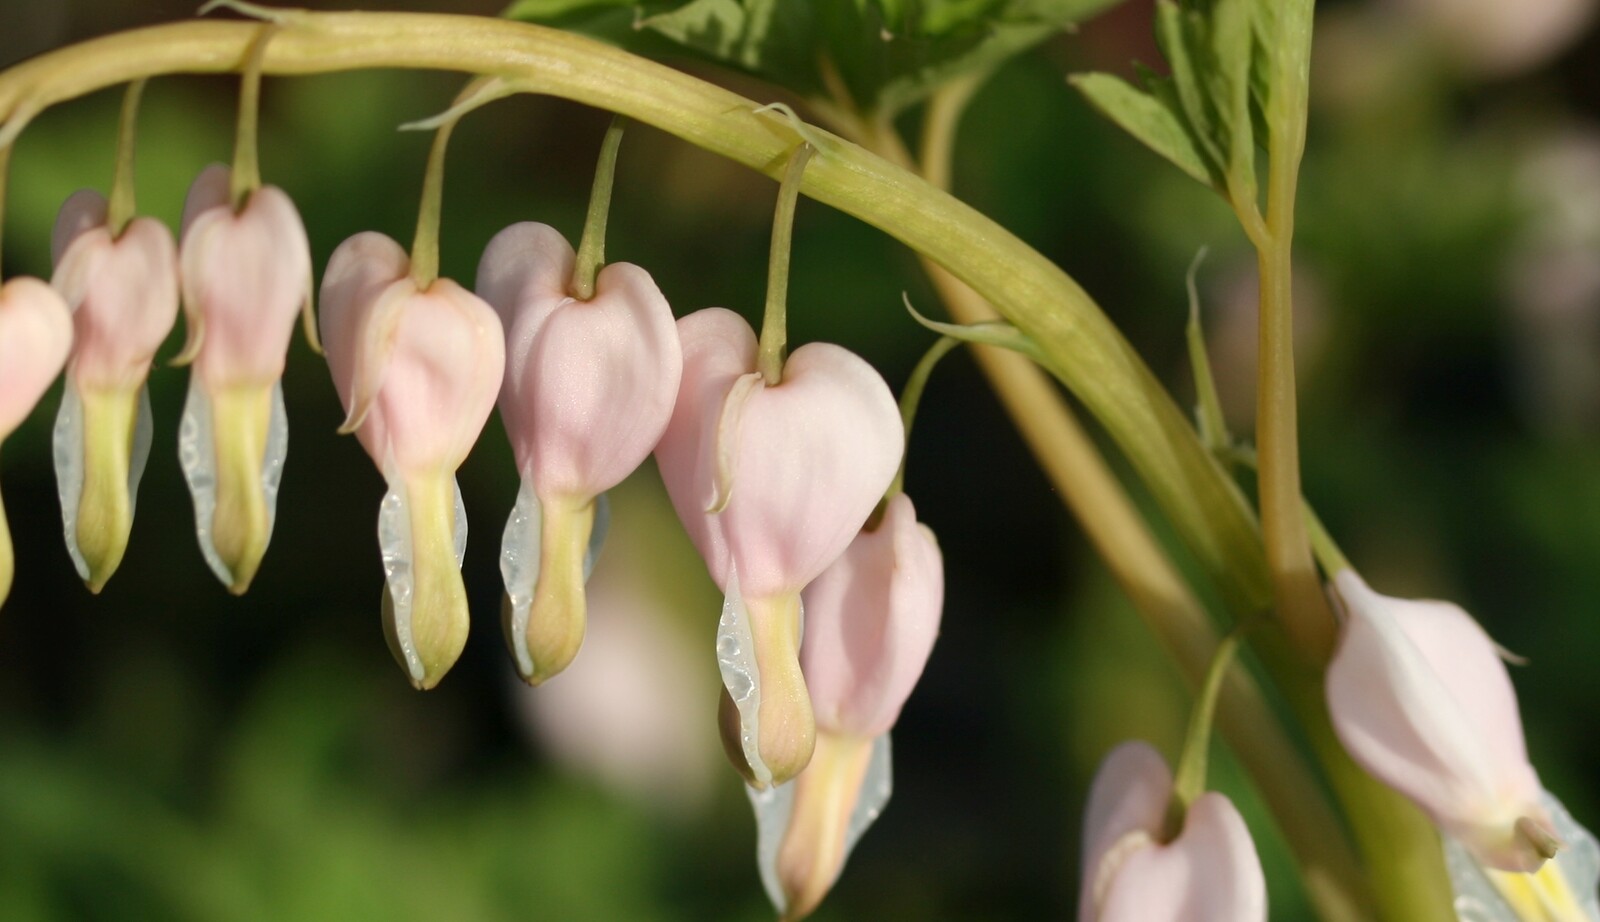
418,371
245,275
1421,699
35,335
123,291
589,388
1132,872
773,482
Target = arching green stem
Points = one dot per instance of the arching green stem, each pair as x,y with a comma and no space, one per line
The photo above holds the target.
774,323
246,176
592,248
122,206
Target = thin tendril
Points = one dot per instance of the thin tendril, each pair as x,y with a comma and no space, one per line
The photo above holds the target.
425,245
1190,781
774,332
246,176
911,398
592,248
123,195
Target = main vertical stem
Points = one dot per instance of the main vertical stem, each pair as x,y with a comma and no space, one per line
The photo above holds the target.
1296,589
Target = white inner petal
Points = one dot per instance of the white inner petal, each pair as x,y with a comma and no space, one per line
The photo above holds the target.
519,567
736,659
394,545
197,456
67,450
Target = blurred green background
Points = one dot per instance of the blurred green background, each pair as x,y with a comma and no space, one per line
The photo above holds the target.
170,752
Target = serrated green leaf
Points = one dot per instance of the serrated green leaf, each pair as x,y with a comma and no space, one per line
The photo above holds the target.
1147,118
542,10
889,54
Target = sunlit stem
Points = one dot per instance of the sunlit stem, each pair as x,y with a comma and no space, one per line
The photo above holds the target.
1190,781
246,176
911,398
774,325
592,249
123,196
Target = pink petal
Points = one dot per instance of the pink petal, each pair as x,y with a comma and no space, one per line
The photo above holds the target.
429,363
35,335
83,210
1209,873
1129,795
590,385
1420,698
209,190
245,278
815,454
871,620
124,297
718,347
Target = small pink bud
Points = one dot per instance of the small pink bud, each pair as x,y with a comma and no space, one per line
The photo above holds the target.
123,292
871,620
1421,699
418,372
35,335
589,388
245,276
772,483
1208,872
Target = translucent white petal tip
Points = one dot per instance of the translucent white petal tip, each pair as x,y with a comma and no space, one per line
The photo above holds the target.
197,457
394,544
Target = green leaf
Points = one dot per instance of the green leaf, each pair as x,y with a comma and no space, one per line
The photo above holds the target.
1147,117
888,54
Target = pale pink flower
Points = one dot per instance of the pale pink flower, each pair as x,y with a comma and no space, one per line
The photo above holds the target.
245,275
772,483
35,335
589,388
1208,871
123,291
418,372
1421,699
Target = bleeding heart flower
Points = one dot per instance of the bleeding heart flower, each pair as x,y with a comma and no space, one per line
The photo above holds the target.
1421,699
123,291
871,620
418,372
245,274
35,335
772,483
589,388
1134,872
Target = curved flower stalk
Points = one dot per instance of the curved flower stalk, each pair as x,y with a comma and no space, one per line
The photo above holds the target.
589,388
872,617
418,369
245,276
122,287
1137,870
772,482
35,335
